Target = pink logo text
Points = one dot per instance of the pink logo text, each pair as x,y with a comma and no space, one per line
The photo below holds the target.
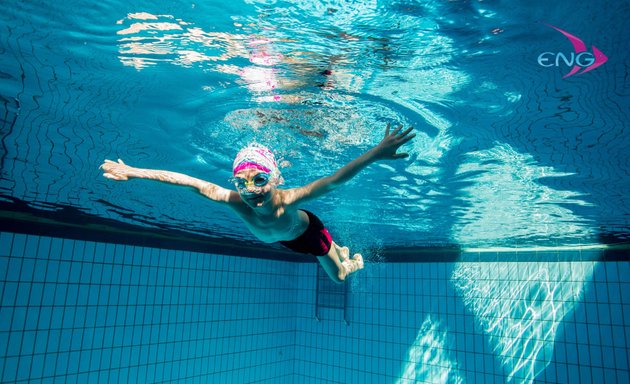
581,60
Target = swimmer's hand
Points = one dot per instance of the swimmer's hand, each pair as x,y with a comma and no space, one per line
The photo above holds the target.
116,170
386,149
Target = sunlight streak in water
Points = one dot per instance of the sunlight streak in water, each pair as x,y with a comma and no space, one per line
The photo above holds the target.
148,39
519,306
506,199
428,359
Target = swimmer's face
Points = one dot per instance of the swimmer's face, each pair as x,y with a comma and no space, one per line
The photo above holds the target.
255,187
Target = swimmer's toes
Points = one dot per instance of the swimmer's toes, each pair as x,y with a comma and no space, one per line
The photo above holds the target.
345,253
359,260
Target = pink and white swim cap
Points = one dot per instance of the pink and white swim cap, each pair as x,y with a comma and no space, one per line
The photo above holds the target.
259,157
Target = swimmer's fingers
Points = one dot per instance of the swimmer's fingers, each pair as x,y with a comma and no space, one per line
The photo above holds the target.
113,176
406,132
113,162
400,155
387,148
109,163
403,139
114,170
105,163
397,134
397,130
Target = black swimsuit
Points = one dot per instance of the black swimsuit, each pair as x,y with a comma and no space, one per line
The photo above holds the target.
315,240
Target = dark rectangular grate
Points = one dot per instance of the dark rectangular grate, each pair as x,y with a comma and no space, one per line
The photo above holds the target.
330,294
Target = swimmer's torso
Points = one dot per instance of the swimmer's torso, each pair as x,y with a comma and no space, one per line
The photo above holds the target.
282,223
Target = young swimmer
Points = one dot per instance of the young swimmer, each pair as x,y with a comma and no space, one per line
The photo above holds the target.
273,214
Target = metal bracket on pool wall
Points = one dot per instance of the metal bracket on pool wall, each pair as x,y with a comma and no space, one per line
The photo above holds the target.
330,294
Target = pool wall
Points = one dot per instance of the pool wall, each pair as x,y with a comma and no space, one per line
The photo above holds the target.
78,311
430,322
75,311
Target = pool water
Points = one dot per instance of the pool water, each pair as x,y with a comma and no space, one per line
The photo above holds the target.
507,153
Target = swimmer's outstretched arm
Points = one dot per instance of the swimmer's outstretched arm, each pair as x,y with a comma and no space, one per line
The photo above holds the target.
385,150
121,171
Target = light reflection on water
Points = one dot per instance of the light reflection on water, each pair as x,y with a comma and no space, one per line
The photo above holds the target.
506,199
429,360
147,39
519,307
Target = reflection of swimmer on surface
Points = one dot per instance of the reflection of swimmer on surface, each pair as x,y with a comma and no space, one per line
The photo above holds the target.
272,214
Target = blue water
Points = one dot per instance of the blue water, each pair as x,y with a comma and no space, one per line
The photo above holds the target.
508,153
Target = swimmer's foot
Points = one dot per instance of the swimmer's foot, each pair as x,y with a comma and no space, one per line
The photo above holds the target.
358,260
350,266
344,254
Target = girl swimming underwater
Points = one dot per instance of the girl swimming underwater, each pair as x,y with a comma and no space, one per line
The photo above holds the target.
273,214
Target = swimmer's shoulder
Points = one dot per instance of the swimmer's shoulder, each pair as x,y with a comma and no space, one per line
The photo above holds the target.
291,197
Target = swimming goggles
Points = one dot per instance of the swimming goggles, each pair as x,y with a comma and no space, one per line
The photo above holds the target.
260,180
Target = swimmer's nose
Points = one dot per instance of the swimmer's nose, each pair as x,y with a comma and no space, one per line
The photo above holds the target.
253,189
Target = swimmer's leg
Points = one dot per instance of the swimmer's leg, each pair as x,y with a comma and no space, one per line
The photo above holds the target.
337,269
332,265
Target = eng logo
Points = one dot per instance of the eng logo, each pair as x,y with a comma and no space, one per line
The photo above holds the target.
580,60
